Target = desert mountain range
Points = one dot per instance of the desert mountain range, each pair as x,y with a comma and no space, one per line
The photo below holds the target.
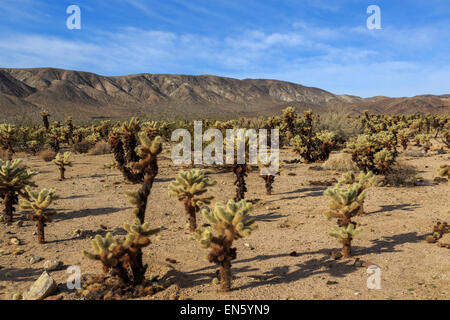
24,93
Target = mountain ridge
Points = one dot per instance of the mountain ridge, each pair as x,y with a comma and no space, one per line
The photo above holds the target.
86,95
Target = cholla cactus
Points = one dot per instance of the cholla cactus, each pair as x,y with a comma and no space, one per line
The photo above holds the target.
123,256
189,186
130,129
8,138
148,166
314,148
62,161
374,153
345,204
288,124
265,166
39,203
423,140
403,137
230,222
13,180
444,171
116,144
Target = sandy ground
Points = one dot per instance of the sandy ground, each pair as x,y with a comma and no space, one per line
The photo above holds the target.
289,220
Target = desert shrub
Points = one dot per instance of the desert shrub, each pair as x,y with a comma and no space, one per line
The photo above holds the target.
101,147
340,162
402,174
374,152
341,124
47,155
82,147
423,140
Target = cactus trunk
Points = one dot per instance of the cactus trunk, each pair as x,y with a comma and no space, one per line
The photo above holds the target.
225,275
61,173
9,201
190,210
40,230
145,189
240,170
347,248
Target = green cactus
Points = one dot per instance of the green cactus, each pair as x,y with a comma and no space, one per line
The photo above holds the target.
39,203
189,186
346,203
122,256
13,180
148,152
8,138
230,222
376,152
62,161
314,148
423,140
45,116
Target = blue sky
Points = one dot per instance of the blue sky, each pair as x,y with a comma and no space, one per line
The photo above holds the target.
320,43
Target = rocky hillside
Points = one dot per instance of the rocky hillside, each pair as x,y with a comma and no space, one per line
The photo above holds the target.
86,96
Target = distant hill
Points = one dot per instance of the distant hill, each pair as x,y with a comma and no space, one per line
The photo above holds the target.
85,96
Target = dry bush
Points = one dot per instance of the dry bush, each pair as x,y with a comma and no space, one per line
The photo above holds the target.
82,147
47,155
340,162
402,175
341,124
100,148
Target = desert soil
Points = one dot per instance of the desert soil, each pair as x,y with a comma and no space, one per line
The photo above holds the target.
396,222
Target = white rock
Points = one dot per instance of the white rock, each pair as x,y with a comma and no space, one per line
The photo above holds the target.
42,288
52,265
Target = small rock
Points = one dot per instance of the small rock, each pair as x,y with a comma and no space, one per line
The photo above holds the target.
15,241
171,260
42,288
357,293
329,283
293,254
19,223
52,265
18,252
35,259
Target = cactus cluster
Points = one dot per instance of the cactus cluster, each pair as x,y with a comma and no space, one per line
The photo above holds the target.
228,223
13,180
39,202
122,256
439,230
189,187
347,199
444,171
62,161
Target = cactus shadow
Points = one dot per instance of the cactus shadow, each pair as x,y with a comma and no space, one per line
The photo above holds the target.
195,278
86,213
288,274
268,217
395,207
389,243
19,275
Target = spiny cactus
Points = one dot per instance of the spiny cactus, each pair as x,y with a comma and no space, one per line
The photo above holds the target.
423,140
189,187
116,144
230,222
288,124
62,161
122,257
374,153
148,151
13,180
444,171
314,148
346,202
8,138
39,203
270,178
130,130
